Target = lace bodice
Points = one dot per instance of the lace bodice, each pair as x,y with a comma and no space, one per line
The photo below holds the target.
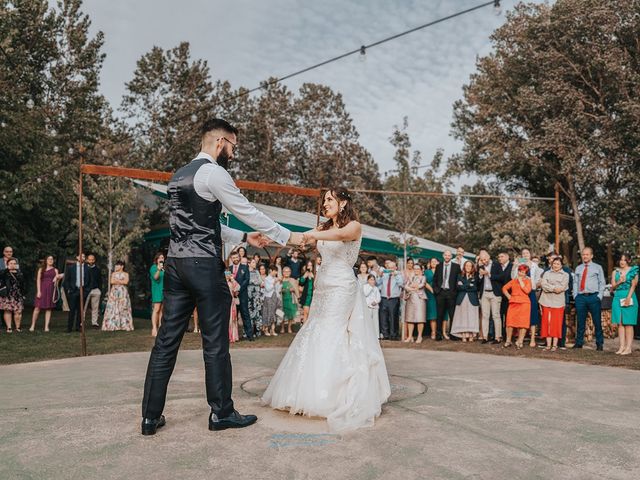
335,253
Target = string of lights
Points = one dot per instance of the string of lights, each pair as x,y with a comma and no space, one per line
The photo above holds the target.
362,50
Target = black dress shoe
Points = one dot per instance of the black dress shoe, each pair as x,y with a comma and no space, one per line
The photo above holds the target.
600,348
484,342
151,425
577,346
496,342
235,420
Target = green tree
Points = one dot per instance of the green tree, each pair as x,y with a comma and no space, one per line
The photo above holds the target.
558,101
49,107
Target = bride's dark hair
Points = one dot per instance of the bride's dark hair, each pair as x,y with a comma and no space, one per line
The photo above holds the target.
346,215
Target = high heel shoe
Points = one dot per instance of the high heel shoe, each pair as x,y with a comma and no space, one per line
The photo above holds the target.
419,340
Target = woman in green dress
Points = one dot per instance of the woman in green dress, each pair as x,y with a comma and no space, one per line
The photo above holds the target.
432,311
624,308
306,283
289,299
156,274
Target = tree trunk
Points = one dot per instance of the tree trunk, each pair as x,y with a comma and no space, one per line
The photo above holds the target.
610,265
573,198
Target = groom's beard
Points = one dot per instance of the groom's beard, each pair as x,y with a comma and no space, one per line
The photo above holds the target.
223,160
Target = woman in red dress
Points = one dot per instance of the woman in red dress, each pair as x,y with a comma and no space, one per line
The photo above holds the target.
517,292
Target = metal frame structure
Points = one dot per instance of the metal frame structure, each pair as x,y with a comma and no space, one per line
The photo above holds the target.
154,175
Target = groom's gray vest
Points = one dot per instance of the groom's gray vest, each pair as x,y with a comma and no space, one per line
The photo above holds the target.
194,221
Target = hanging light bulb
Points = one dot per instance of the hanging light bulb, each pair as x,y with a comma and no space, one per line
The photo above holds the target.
39,180
497,9
194,118
115,164
104,152
55,173
3,124
53,132
4,197
16,190
70,151
56,148
30,104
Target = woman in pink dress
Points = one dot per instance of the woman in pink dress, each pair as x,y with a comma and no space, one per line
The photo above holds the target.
46,292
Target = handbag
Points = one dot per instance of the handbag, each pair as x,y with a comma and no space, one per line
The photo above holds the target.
4,291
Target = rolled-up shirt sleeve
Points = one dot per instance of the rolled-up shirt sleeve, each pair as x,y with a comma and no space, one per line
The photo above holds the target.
224,189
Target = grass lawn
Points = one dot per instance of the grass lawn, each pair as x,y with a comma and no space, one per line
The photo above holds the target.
32,347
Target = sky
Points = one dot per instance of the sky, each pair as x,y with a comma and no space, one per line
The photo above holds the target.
419,76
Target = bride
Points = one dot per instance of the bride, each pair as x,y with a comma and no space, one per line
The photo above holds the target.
334,367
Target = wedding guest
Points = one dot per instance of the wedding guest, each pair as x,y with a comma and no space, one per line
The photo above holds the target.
444,288
555,283
47,278
94,285
372,297
262,270
535,274
295,263
117,315
318,262
416,304
390,284
408,270
492,278
258,260
363,274
432,309
624,308
156,274
234,288
589,283
504,260
240,274
519,313
242,252
289,299
278,265
568,295
71,285
465,318
254,292
459,257
13,303
373,267
271,302
306,282
7,254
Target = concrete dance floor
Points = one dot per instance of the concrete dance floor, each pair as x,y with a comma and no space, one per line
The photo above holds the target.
452,415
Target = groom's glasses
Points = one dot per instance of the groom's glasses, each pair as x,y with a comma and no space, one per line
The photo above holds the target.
234,147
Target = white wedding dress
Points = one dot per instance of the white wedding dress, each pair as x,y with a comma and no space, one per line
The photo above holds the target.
334,367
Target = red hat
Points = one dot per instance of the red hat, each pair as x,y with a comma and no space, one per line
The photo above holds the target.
523,268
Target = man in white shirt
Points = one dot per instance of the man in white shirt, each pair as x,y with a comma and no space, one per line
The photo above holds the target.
194,275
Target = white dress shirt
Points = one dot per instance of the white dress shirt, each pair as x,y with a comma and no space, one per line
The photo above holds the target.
212,182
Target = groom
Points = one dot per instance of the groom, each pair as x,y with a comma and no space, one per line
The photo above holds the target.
195,275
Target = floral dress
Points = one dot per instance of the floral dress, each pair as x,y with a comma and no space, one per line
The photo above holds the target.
255,298
117,315
14,301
